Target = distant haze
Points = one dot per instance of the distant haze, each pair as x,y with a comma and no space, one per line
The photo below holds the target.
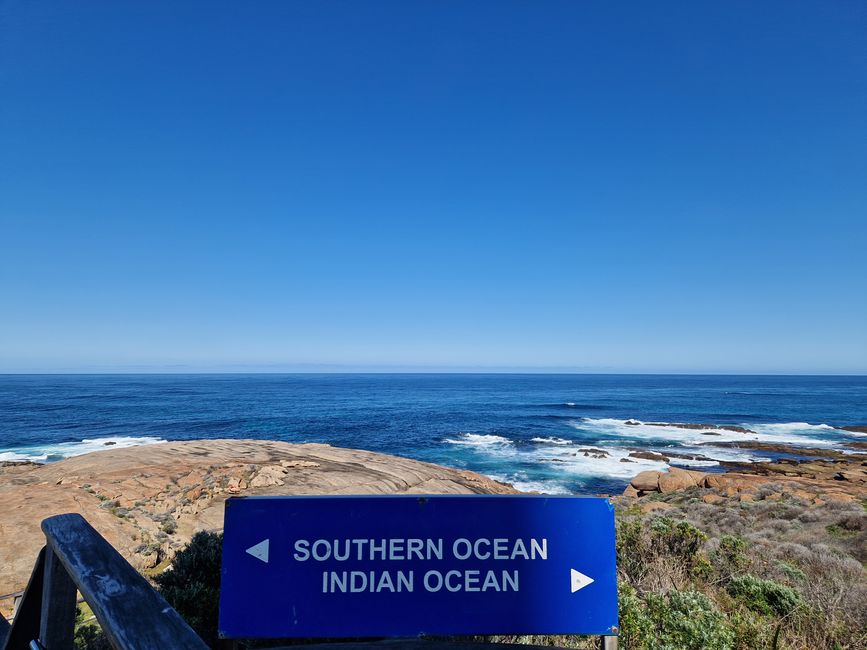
428,186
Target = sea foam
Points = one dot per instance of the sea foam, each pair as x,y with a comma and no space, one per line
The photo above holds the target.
773,433
61,450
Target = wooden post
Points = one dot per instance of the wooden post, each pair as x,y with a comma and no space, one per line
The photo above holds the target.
25,625
57,626
609,643
4,630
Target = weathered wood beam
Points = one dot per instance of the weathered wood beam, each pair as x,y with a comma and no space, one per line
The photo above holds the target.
58,605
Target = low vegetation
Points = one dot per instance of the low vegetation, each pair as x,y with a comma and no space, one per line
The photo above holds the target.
771,573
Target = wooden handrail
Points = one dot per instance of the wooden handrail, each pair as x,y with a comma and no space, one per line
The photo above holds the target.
133,616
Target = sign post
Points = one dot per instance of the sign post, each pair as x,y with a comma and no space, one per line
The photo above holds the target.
404,566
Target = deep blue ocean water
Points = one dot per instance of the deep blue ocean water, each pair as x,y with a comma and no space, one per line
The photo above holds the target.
526,429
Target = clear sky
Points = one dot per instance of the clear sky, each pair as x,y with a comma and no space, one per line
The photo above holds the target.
591,186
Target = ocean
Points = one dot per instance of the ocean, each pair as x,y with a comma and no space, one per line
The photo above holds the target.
551,433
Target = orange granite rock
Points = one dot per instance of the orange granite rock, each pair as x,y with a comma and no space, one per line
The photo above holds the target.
148,501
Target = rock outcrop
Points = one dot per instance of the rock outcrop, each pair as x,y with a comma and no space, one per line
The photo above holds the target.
814,481
148,501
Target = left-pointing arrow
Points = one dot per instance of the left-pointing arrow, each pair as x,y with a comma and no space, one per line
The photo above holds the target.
260,551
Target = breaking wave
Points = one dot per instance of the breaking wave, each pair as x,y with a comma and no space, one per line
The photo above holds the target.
61,450
794,433
479,440
552,440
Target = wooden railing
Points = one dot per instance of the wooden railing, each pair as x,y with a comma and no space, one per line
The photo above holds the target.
76,558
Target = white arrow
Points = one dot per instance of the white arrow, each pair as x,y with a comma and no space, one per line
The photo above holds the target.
260,551
579,580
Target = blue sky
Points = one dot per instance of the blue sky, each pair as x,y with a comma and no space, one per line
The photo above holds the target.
590,186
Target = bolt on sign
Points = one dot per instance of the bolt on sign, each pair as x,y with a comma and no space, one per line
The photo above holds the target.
407,565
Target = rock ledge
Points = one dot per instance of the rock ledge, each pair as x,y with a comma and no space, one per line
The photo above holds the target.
148,501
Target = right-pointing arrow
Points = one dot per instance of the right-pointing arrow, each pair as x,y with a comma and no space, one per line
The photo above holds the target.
579,580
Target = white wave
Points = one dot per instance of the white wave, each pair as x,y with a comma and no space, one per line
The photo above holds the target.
620,429
616,464
17,457
716,454
43,453
854,434
790,427
553,441
480,440
569,459
693,462
524,484
569,404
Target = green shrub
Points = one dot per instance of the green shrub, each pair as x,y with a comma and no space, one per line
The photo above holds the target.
88,635
631,549
687,620
192,585
764,596
635,625
792,572
752,630
732,550
681,538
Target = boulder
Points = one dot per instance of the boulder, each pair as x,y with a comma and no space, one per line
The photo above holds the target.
677,479
648,455
647,481
268,476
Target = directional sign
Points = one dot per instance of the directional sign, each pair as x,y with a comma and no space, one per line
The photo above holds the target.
406,565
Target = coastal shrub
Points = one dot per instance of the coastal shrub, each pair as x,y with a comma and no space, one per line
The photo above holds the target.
681,539
732,551
636,627
764,596
817,579
686,620
791,571
672,621
192,585
661,554
632,550
88,635
752,630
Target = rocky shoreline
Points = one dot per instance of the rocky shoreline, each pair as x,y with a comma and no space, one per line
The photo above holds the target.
825,475
148,501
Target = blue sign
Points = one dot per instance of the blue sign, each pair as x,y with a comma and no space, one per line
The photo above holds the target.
411,565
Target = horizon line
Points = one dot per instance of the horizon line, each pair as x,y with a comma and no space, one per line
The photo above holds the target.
432,371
